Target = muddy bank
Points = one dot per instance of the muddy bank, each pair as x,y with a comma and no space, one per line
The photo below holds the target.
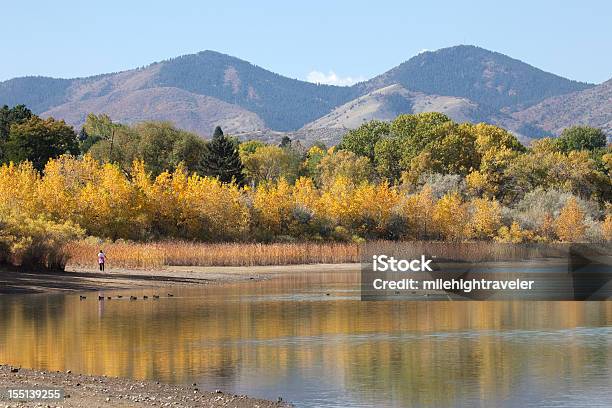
100,391
76,279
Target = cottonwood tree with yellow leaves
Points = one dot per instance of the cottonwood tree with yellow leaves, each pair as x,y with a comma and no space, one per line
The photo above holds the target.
569,225
417,209
486,218
451,218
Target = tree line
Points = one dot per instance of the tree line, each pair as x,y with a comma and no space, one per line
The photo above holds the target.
419,177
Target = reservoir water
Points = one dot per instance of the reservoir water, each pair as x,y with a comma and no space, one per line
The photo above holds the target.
309,339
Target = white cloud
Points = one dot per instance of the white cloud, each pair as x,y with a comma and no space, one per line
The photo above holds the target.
331,78
422,51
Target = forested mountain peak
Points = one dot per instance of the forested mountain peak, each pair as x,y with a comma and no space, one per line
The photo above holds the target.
39,93
486,77
284,103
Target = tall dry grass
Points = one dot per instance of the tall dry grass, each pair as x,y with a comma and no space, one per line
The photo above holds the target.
160,254
177,253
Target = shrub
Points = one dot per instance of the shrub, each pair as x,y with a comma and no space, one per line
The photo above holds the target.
531,212
442,184
35,243
513,234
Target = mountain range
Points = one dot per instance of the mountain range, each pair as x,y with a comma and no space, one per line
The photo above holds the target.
200,91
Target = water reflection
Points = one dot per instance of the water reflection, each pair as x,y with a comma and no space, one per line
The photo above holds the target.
288,337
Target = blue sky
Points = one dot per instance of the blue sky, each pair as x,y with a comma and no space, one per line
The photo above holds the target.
326,41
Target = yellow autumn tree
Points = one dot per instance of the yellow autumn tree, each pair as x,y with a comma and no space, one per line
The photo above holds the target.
272,205
570,225
18,188
62,181
189,206
513,234
336,201
141,182
162,207
486,218
451,217
212,211
106,206
371,206
28,238
35,242
417,210
492,177
344,164
307,214
546,229
478,185
305,194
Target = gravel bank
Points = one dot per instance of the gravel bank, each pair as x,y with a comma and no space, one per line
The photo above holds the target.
94,391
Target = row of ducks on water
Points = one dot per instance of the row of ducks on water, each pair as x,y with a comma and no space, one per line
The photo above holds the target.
145,297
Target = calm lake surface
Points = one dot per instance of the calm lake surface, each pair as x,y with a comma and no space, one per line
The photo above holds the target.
287,337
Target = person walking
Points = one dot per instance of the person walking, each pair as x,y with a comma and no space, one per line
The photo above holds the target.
101,260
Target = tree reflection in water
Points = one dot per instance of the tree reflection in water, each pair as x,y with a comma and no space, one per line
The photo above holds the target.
285,337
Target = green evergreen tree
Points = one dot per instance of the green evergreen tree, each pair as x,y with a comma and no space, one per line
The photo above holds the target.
222,160
285,142
218,132
83,135
10,116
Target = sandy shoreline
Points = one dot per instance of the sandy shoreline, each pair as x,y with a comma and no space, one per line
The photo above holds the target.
77,279
100,391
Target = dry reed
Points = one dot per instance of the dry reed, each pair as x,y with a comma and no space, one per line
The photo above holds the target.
160,254
178,253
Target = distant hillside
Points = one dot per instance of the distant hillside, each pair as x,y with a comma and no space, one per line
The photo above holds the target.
485,77
39,93
388,102
592,106
329,136
283,103
230,85
202,90
196,113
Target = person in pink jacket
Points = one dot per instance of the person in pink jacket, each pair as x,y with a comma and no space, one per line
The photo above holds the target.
101,260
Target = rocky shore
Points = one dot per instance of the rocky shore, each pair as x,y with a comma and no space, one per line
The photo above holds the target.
99,391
